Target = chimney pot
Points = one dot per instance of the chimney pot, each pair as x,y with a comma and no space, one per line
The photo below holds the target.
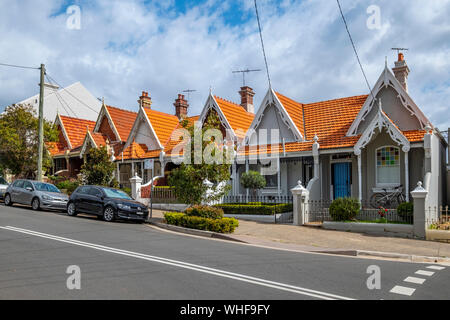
247,95
181,107
144,100
401,71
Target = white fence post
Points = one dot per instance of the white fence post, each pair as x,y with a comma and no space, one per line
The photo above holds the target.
300,198
136,187
420,224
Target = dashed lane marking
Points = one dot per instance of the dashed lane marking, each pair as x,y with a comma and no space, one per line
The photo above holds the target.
424,273
414,280
403,290
439,268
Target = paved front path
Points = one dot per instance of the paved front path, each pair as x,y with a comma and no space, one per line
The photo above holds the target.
317,239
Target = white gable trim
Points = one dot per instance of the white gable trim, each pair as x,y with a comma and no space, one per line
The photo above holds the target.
104,112
88,139
142,116
211,104
387,79
59,121
269,99
381,121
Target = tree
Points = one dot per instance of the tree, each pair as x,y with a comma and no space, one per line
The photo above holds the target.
98,168
19,141
253,180
189,179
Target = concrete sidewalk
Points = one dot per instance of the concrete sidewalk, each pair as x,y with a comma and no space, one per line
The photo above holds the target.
320,240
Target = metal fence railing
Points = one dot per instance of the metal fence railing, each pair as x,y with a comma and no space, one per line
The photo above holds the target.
159,194
319,211
257,199
438,216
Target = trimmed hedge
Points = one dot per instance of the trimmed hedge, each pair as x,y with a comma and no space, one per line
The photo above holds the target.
406,210
344,209
68,185
205,212
255,208
223,225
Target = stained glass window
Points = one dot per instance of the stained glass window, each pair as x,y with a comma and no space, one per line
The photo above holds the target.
388,165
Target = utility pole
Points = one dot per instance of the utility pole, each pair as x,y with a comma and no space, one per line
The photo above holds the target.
41,124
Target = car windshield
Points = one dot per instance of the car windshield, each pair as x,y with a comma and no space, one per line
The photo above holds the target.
114,193
46,187
3,181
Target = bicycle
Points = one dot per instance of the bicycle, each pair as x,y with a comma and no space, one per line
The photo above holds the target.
388,200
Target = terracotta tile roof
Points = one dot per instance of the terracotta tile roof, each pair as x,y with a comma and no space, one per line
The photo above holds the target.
99,138
163,124
123,120
236,116
414,135
331,119
56,148
76,129
295,111
138,151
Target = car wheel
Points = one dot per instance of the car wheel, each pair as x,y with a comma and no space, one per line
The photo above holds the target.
35,204
71,210
108,214
8,201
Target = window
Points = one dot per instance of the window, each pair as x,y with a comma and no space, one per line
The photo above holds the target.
46,187
95,192
18,184
27,185
388,166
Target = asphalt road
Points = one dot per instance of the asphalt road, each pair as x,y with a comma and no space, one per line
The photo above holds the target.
123,260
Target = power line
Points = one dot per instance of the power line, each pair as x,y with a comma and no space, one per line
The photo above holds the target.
76,98
59,97
354,49
17,66
262,45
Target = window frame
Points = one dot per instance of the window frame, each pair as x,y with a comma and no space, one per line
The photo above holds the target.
396,184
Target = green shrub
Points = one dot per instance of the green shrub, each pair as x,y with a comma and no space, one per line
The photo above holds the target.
255,208
223,225
344,209
68,185
127,191
406,210
205,212
253,180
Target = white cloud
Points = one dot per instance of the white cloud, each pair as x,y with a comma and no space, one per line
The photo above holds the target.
125,47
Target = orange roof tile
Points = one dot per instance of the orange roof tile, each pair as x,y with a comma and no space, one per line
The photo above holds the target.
99,138
123,120
414,135
236,116
295,111
76,129
139,151
163,124
55,148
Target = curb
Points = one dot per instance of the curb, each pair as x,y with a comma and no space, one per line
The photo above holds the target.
201,233
352,253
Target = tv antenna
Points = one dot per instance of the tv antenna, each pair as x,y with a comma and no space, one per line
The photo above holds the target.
244,72
189,91
399,49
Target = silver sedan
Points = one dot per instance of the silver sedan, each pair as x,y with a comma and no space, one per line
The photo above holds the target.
3,186
38,195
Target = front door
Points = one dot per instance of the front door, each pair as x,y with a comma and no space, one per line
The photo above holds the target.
341,180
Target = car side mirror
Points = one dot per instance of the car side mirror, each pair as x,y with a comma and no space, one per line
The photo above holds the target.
29,188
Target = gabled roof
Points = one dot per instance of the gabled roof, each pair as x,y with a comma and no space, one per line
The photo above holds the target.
138,151
387,79
74,129
162,123
295,111
56,148
236,115
123,121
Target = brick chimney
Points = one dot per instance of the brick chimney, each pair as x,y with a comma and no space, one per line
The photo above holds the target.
181,106
401,71
247,94
145,100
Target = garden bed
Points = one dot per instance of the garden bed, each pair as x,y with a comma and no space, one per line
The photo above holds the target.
255,208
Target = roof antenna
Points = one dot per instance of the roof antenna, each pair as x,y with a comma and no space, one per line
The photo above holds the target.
399,49
188,91
244,72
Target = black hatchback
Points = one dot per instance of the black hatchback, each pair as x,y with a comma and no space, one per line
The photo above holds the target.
108,203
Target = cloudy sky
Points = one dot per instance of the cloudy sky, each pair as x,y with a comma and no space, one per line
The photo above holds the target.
165,47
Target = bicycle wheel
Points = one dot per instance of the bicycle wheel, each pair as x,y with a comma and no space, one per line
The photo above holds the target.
377,200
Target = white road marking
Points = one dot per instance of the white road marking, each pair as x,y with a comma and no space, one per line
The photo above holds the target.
435,267
185,265
403,290
415,280
425,273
